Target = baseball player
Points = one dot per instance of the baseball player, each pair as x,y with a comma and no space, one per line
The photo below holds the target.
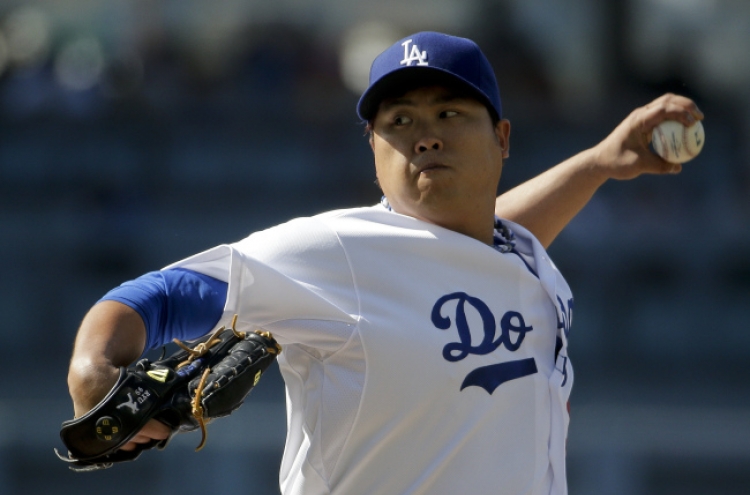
425,338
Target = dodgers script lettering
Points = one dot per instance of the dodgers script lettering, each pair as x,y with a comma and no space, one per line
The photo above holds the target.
513,330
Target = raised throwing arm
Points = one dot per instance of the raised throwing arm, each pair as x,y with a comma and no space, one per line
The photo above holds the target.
549,201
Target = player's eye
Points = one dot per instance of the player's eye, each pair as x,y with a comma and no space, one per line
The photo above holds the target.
447,114
401,120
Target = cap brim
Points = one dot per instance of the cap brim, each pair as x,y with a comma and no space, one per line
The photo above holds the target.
405,79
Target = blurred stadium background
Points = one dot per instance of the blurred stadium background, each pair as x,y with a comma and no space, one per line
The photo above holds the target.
136,132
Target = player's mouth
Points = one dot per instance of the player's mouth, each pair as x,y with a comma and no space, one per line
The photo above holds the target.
430,167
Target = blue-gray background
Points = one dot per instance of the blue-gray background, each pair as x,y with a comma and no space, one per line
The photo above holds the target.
136,132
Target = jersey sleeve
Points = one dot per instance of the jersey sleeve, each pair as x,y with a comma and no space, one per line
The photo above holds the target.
294,277
175,303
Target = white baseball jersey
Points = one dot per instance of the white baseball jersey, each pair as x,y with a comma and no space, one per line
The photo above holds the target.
416,360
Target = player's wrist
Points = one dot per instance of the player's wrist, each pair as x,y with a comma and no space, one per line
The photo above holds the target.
593,166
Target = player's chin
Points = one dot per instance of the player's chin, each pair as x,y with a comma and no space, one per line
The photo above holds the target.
434,188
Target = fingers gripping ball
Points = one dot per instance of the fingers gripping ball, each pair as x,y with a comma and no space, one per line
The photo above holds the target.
677,143
200,382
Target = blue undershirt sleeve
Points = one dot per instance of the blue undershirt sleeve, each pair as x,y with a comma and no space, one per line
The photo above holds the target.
174,304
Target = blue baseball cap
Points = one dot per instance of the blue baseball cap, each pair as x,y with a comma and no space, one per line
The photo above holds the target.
430,58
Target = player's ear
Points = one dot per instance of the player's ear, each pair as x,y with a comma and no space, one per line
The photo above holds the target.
502,133
369,132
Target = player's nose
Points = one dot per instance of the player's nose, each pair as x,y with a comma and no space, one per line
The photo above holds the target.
427,143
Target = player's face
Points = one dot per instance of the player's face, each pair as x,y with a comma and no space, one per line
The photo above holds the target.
438,158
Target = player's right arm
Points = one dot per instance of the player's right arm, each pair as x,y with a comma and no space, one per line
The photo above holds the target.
549,201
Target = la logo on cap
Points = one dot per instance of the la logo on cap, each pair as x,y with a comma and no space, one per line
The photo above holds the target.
415,56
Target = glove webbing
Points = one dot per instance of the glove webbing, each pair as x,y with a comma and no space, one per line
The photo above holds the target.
193,354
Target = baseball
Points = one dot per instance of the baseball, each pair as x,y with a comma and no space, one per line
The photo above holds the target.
676,143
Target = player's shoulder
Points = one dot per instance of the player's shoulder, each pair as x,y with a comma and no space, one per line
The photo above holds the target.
333,220
375,212
316,232
365,219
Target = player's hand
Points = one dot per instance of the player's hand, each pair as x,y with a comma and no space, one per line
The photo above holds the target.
153,430
625,153
89,384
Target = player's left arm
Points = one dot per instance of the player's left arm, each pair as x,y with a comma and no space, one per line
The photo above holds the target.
549,201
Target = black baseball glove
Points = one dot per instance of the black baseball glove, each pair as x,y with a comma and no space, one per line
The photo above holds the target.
200,382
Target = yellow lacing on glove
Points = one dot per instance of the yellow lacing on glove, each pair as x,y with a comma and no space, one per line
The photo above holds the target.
193,354
198,409
198,351
276,349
